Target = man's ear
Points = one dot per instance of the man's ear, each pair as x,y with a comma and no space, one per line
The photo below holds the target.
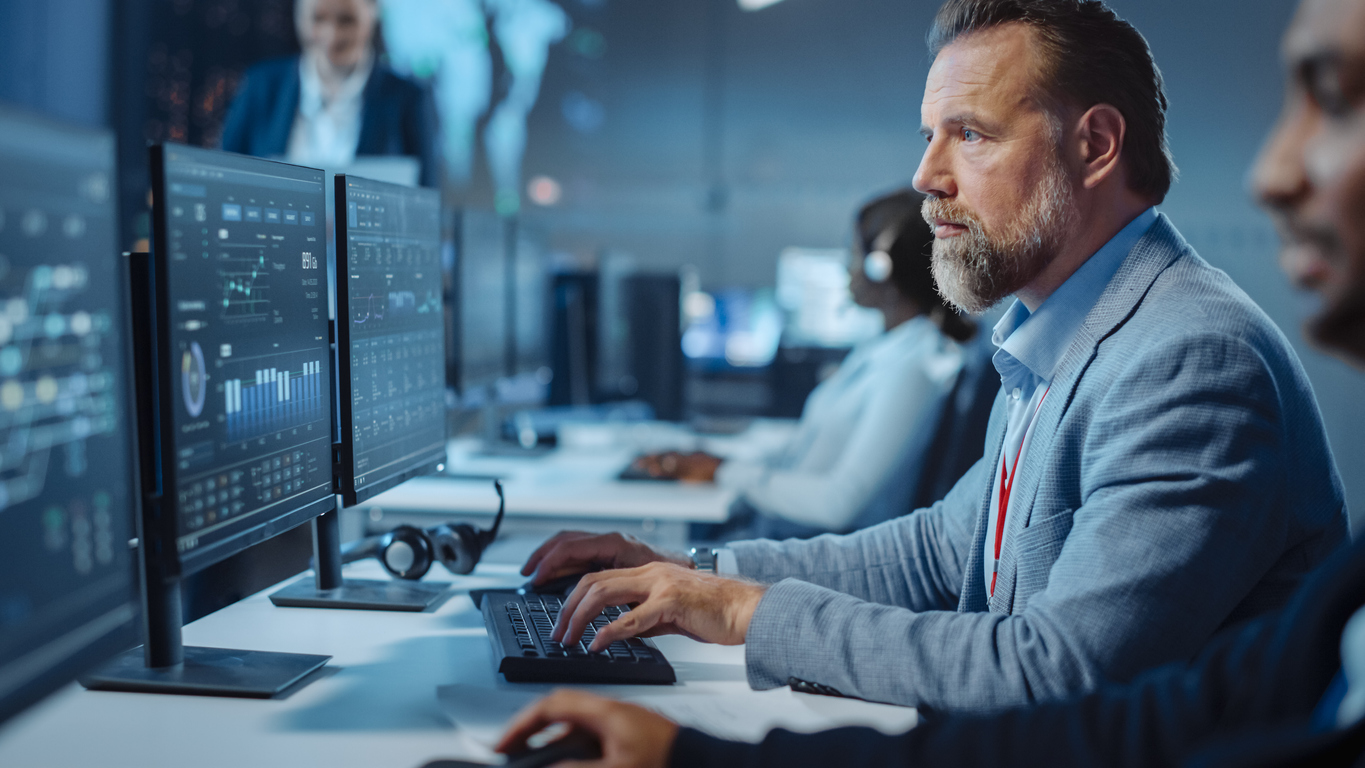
1100,133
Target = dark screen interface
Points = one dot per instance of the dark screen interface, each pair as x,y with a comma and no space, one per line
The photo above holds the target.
248,328
65,476
397,341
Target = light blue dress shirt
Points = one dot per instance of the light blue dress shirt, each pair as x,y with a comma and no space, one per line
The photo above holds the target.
1031,345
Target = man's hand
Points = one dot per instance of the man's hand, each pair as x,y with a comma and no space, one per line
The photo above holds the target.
631,737
672,600
570,552
695,467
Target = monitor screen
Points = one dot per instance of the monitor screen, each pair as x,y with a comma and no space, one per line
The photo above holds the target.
391,347
67,491
812,289
243,350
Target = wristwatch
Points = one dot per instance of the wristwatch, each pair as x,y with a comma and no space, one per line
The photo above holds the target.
704,559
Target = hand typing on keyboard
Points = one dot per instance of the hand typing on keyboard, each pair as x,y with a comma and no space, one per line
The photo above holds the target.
672,599
573,552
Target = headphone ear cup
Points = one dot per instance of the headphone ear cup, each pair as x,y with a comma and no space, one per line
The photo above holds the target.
457,547
405,552
877,266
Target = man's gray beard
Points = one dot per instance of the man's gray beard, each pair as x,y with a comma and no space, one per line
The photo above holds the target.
975,270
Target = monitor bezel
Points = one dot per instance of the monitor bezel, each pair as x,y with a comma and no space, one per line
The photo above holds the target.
345,446
160,516
125,630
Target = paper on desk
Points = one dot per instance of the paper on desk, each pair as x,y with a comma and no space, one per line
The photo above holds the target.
482,713
748,716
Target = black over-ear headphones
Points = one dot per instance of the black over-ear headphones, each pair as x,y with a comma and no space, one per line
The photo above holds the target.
407,551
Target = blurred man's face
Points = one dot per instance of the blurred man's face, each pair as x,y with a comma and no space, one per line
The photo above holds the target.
337,32
1000,201
1311,173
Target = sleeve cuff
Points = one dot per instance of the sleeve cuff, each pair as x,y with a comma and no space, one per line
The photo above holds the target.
726,564
768,642
740,475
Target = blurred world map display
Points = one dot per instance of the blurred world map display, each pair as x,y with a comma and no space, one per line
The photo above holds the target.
449,44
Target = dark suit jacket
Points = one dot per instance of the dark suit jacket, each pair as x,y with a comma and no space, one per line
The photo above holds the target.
1248,699
398,117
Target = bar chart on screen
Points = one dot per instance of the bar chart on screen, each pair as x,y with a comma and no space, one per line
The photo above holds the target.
273,394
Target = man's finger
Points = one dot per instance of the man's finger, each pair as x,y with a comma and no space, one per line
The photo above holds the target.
631,624
578,610
574,618
544,549
571,556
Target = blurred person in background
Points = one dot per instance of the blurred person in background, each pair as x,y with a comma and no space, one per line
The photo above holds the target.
336,100
867,424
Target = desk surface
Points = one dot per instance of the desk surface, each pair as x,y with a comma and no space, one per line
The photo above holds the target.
375,704
580,478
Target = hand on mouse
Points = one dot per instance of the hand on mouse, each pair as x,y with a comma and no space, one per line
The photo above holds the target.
572,552
631,737
671,600
696,467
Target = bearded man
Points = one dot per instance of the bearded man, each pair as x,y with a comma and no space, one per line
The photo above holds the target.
1155,469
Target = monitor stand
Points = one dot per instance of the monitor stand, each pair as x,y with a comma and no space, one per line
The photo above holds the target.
165,665
329,590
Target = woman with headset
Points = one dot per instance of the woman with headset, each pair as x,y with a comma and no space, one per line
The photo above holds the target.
857,428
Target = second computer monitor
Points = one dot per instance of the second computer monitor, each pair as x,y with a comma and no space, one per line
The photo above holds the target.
390,335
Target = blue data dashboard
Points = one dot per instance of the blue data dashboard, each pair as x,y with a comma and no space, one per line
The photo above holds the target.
395,333
248,328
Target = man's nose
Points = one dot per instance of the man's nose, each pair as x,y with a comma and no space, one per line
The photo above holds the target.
934,176
1279,180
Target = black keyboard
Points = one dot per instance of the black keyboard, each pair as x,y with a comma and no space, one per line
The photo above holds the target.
519,625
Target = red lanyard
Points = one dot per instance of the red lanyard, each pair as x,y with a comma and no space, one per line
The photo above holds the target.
1006,487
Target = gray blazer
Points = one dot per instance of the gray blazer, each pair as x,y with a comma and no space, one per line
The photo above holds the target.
1182,484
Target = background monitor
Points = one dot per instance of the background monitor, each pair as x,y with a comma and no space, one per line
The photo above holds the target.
390,335
812,290
68,595
483,300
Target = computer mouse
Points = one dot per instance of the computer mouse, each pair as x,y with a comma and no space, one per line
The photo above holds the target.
572,747
560,586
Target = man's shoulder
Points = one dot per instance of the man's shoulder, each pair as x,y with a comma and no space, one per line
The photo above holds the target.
1191,303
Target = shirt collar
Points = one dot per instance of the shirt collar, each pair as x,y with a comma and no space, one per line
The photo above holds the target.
310,86
1036,341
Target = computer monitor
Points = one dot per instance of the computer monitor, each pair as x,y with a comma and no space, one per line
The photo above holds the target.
390,339
812,290
231,316
390,356
68,590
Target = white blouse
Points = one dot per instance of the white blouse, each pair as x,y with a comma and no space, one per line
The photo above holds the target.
326,133
854,429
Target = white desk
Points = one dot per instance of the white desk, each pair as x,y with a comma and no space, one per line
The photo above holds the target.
579,481
375,704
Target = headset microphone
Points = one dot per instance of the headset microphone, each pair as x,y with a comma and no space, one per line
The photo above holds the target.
877,265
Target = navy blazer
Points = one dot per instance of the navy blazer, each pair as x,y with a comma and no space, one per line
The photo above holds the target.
1247,700
398,116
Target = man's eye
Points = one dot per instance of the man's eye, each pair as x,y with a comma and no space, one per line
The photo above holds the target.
969,135
1325,86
